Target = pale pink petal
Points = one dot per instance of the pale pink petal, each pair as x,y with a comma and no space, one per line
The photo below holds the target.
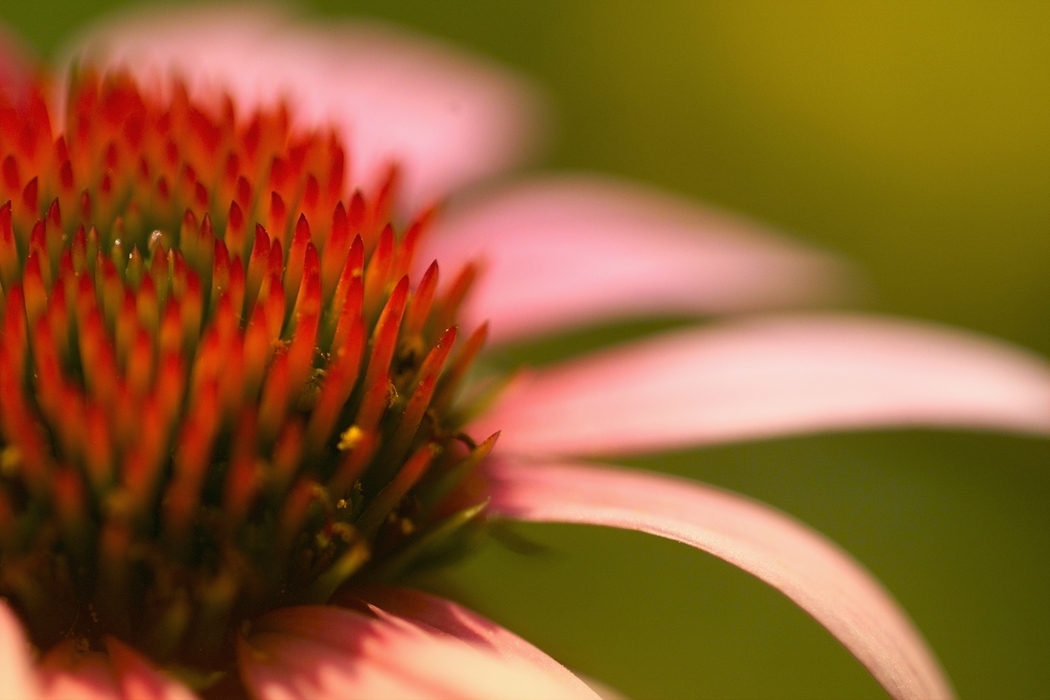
809,569
16,671
770,377
448,118
329,652
137,678
562,251
450,618
67,673
285,667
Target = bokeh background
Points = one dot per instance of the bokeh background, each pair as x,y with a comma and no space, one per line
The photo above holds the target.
914,139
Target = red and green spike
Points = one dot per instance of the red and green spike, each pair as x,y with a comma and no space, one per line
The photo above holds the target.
219,391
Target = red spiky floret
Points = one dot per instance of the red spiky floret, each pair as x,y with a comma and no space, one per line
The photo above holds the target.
219,391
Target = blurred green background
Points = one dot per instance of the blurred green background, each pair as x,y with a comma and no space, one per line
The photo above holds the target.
913,139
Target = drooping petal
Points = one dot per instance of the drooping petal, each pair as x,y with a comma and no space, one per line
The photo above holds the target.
446,118
329,652
450,618
810,570
563,251
17,679
138,679
770,377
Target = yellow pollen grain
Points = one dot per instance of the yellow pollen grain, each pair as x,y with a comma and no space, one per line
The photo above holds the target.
351,438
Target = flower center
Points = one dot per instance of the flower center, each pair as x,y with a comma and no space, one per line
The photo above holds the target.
218,392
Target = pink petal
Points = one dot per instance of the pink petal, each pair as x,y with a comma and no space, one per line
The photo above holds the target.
563,251
768,377
284,667
809,569
329,652
447,617
139,679
17,679
70,674
446,117
122,674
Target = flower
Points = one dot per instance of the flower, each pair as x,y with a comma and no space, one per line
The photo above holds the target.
391,459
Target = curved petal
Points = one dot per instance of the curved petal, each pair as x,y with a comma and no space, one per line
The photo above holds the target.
331,652
769,377
17,679
562,251
446,118
449,618
139,679
810,570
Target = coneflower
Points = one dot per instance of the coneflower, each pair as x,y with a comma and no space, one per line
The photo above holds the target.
219,393
230,383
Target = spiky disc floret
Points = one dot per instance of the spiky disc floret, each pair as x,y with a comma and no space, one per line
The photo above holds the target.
218,391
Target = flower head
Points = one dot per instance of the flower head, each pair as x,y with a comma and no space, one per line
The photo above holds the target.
220,393
229,374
